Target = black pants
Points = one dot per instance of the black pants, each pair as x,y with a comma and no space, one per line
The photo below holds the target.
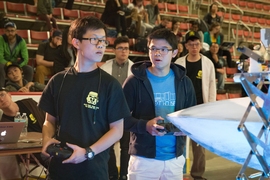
69,4
124,158
227,53
120,23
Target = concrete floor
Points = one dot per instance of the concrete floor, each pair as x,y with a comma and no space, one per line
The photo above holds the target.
218,168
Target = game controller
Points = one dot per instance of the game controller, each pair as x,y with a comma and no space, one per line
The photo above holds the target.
59,151
168,128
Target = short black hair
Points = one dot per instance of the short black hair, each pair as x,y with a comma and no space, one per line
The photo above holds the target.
213,5
79,26
165,34
194,23
119,40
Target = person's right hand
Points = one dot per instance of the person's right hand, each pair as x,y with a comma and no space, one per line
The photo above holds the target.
23,89
152,127
46,143
215,57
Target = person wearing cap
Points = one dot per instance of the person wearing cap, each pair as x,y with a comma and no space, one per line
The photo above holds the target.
201,71
195,28
46,55
13,49
16,82
36,116
44,11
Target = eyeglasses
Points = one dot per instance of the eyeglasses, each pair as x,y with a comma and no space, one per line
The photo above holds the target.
2,95
122,49
96,41
194,44
162,51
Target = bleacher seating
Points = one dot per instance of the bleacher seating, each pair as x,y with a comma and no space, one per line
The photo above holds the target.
220,97
230,72
255,13
234,95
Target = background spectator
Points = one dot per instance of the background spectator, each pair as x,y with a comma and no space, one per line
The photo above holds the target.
114,15
201,71
16,82
67,54
145,26
152,13
69,5
120,68
163,24
218,62
181,51
13,49
212,16
195,28
214,36
176,29
46,55
44,11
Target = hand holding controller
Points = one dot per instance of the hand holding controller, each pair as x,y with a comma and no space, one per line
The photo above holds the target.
59,151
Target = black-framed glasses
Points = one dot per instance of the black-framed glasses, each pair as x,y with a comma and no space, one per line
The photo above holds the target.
194,44
96,41
122,49
162,51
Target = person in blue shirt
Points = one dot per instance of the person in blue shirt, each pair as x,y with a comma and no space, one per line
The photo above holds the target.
156,89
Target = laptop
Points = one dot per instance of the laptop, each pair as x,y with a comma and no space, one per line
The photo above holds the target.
10,132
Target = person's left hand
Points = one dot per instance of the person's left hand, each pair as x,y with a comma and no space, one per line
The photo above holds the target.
77,155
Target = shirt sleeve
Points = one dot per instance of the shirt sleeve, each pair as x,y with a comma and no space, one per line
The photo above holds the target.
24,53
41,49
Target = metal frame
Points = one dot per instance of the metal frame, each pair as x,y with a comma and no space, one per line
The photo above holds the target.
253,92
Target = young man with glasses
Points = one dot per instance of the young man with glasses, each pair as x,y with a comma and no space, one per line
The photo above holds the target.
156,89
201,71
119,68
88,105
13,49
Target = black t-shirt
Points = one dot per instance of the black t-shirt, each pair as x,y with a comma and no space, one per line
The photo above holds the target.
49,53
87,104
194,72
33,125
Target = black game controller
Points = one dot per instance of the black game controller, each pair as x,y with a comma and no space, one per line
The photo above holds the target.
168,128
59,151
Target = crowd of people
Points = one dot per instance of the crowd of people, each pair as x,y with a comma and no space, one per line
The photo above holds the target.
181,65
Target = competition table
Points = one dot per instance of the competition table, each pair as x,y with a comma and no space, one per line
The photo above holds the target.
27,145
